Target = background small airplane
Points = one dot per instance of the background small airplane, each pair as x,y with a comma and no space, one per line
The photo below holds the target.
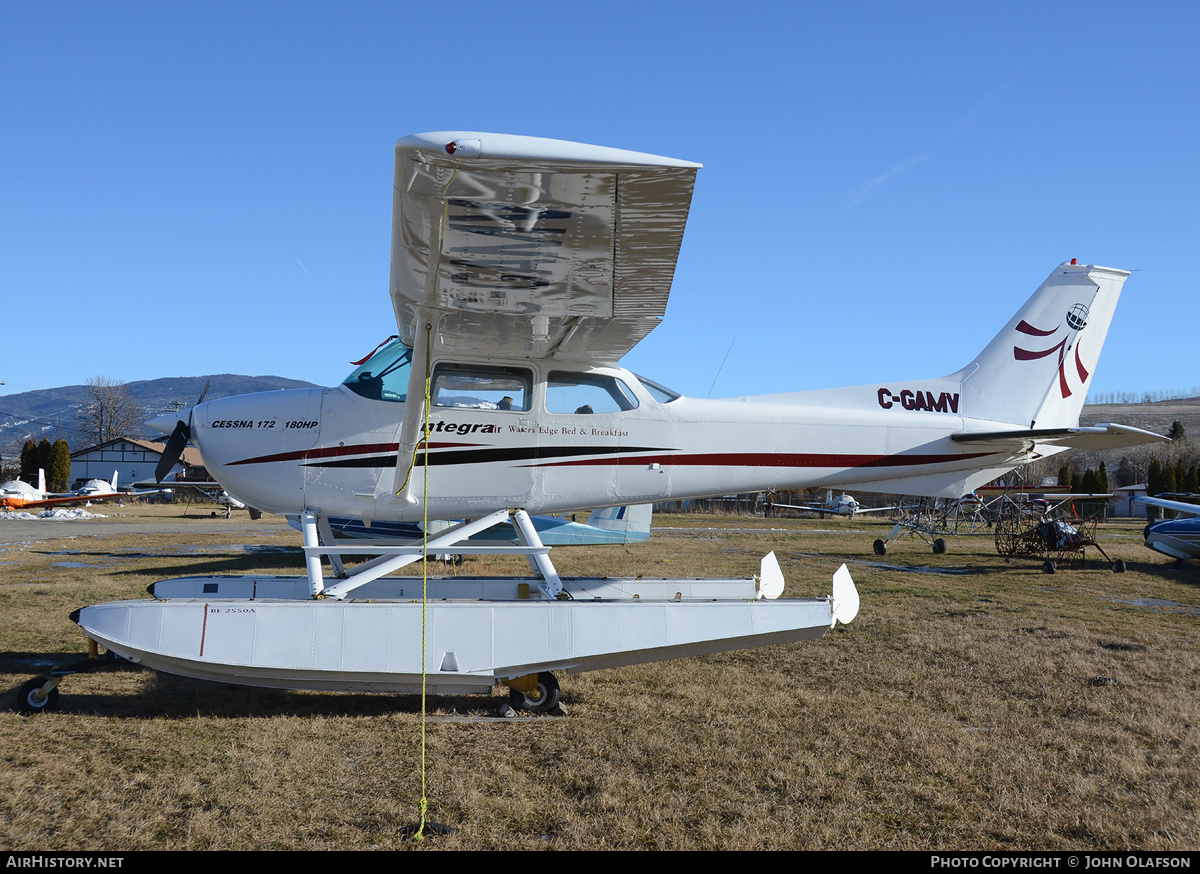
842,505
1178,538
18,495
210,491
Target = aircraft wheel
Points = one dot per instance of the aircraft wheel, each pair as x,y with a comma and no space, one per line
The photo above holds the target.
30,699
549,694
1119,566
880,547
939,546
1048,567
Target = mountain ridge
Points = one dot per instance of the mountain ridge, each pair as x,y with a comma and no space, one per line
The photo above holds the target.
50,413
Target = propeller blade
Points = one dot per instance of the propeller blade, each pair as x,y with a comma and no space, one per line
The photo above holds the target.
173,450
203,393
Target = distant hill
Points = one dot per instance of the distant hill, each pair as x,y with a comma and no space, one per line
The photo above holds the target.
50,413
1156,417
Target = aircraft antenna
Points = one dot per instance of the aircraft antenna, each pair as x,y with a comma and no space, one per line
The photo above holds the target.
722,367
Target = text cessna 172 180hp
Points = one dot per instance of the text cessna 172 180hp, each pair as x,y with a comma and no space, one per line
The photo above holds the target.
522,271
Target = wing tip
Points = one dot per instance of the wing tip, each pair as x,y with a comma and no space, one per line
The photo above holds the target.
478,144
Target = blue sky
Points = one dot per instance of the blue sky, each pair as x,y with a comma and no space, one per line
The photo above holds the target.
206,188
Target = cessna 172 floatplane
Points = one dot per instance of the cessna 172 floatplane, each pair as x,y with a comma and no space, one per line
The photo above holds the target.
522,271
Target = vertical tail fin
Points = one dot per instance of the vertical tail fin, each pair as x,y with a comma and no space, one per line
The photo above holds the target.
42,481
1036,371
632,521
114,481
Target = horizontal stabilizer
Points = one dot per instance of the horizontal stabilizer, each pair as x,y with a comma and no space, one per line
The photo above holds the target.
1093,437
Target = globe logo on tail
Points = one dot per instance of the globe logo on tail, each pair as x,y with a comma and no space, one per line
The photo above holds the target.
1076,320
1077,317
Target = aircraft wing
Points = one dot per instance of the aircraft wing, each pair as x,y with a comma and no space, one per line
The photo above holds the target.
1178,506
828,510
1095,437
151,487
521,247
54,500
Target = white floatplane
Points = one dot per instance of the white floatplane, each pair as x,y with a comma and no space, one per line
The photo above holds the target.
522,271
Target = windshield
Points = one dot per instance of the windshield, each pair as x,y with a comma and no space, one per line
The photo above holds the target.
383,376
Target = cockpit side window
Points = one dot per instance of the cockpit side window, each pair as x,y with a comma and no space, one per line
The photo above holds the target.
586,393
481,387
383,376
660,393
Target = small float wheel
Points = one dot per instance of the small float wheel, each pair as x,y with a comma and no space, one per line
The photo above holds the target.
548,695
30,699
939,546
1048,567
880,547
1119,566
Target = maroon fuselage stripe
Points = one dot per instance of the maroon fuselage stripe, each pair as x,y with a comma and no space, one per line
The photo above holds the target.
326,452
771,459
339,451
709,459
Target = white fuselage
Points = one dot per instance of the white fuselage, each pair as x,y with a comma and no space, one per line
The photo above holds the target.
336,452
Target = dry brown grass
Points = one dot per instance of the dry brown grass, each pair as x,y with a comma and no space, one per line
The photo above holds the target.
992,708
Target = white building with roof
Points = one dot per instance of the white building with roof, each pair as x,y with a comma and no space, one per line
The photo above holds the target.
132,460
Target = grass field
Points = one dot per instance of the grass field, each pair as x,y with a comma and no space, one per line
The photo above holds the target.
973,704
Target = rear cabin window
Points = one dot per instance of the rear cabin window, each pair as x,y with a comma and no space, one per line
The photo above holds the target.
660,393
586,394
481,388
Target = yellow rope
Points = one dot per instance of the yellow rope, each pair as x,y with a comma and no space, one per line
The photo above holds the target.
420,836
424,806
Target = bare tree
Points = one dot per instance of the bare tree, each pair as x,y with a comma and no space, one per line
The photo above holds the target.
108,411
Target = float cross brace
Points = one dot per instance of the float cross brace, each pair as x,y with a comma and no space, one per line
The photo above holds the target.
389,558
